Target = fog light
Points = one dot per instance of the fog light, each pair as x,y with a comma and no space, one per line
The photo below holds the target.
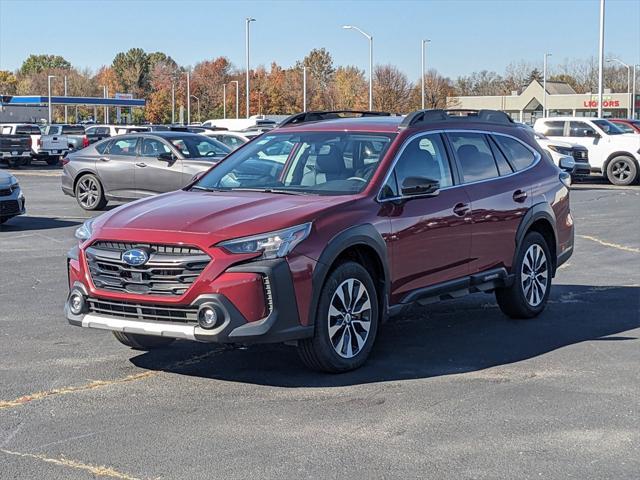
207,317
76,303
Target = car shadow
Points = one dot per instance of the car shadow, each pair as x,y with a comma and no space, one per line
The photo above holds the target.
23,223
449,338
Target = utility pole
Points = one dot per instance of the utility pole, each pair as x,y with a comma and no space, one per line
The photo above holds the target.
544,84
304,89
65,106
224,100
173,103
188,98
424,42
49,92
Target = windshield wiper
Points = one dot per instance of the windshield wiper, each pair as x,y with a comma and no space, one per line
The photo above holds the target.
205,189
270,190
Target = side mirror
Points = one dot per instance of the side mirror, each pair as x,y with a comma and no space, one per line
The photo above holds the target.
420,187
567,163
166,157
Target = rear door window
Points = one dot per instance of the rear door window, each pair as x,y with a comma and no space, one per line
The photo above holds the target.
102,147
124,146
580,129
554,128
519,156
474,156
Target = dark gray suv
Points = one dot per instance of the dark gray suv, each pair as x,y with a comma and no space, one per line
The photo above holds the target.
128,167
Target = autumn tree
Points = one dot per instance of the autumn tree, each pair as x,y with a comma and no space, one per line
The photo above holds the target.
8,83
39,63
391,89
132,71
437,88
350,89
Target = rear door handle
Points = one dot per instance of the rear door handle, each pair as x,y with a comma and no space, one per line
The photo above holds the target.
519,196
141,164
461,209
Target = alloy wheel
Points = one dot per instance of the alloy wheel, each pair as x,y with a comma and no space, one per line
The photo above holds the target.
621,170
88,192
349,318
534,275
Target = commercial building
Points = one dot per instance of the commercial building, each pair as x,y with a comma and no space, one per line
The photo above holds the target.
561,99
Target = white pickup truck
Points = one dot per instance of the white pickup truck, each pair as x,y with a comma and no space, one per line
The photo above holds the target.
30,129
612,153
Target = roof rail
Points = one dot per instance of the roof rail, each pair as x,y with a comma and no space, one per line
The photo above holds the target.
318,116
421,117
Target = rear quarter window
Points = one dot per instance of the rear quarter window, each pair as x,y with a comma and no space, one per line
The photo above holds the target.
102,147
518,155
553,128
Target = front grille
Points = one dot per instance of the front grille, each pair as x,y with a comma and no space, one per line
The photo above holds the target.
5,192
136,311
170,270
580,155
9,207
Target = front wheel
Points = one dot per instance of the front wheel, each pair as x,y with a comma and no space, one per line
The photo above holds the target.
142,342
89,194
622,170
346,321
528,295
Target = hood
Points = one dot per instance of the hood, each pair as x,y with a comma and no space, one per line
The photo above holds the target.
7,179
217,215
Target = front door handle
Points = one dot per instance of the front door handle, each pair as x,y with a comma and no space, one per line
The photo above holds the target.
104,159
519,196
461,209
140,164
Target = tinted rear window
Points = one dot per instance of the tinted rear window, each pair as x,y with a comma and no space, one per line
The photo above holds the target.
553,129
72,130
474,155
518,155
27,130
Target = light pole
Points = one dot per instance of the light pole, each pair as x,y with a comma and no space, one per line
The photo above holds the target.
544,84
237,97
304,89
65,94
49,91
104,109
370,38
423,44
610,60
224,100
188,98
601,60
633,93
197,100
248,20
173,103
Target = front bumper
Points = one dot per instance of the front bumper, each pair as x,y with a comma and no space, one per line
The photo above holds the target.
13,205
281,323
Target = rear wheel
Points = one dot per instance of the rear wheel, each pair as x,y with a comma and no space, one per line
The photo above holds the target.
89,193
528,295
622,170
346,321
142,342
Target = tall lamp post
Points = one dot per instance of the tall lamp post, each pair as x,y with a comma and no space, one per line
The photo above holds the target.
610,60
304,89
633,93
65,106
370,38
188,98
224,100
544,84
601,60
248,20
237,97
423,44
197,100
49,93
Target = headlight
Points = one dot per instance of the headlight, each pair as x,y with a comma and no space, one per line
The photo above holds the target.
84,231
272,245
561,150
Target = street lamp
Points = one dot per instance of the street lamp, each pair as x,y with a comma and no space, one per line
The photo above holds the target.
197,100
188,97
248,20
633,93
370,38
237,97
304,89
423,44
601,60
544,85
65,94
49,90
611,60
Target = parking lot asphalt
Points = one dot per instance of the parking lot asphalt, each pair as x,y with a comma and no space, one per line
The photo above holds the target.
454,390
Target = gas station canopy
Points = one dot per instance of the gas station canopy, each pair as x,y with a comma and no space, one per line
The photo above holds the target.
35,100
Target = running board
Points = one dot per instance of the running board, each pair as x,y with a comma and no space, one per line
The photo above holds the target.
480,282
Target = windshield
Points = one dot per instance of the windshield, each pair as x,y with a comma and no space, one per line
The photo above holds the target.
321,163
608,127
198,146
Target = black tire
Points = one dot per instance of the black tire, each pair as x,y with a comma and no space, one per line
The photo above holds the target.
622,170
516,301
3,219
142,342
321,352
94,199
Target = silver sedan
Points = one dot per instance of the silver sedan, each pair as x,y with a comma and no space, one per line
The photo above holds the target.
129,167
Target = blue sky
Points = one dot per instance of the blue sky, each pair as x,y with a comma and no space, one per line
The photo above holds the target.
466,35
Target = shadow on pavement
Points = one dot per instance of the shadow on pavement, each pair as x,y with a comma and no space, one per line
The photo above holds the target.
443,339
25,223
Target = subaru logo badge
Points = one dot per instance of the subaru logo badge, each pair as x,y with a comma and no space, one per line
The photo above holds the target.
135,257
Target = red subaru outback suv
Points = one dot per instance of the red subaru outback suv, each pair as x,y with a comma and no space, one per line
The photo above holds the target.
316,232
